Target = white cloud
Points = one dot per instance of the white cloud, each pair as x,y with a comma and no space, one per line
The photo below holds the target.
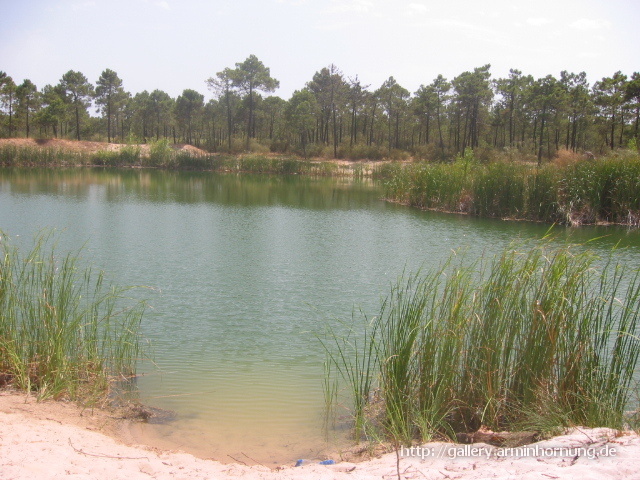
539,21
418,8
345,6
447,23
477,32
460,25
491,14
83,5
339,25
347,14
590,24
163,4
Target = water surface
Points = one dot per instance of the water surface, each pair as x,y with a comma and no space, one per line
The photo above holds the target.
245,272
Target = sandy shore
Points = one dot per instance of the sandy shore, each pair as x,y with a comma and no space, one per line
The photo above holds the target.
88,147
53,440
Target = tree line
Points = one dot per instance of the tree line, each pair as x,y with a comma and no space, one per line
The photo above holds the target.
335,115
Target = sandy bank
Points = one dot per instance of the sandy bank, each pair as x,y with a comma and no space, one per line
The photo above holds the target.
51,440
88,147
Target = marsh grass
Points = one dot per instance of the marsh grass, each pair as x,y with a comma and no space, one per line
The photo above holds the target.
538,338
64,331
573,193
25,156
353,357
162,155
126,156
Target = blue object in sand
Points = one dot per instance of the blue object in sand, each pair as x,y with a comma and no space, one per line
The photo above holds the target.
302,462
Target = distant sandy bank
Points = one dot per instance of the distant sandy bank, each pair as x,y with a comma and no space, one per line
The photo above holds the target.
84,146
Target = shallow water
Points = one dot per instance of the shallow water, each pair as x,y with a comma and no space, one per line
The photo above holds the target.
245,272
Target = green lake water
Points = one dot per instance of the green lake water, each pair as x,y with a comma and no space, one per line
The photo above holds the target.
245,272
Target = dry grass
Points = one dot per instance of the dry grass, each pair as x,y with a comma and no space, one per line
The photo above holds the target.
88,147
566,157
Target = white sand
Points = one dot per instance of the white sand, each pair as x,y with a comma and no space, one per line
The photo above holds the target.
52,440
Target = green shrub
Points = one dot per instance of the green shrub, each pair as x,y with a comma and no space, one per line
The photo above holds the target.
255,164
398,155
429,153
361,151
185,160
160,153
106,158
129,155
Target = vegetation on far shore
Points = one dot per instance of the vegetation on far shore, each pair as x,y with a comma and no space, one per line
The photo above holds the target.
532,339
339,116
64,331
162,154
571,190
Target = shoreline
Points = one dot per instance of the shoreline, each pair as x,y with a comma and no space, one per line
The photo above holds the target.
53,439
343,167
444,211
86,152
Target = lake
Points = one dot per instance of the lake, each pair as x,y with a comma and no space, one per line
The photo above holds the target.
245,272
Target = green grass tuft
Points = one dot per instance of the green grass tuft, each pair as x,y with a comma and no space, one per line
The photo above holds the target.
64,332
540,338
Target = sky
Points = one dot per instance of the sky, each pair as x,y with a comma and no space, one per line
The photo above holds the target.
173,45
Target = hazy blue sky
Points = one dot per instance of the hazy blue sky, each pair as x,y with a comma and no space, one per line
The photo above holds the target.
178,44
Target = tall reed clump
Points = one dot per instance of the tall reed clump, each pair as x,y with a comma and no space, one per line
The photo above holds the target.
581,192
527,339
128,155
607,190
160,154
64,331
20,156
279,166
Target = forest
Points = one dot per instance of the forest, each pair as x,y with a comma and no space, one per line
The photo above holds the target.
338,116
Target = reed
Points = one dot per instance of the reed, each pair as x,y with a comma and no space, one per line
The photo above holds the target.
126,156
531,338
162,155
15,156
580,192
64,331
607,190
355,362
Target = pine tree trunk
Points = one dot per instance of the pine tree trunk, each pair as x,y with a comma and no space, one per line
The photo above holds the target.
109,119
77,122
544,110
